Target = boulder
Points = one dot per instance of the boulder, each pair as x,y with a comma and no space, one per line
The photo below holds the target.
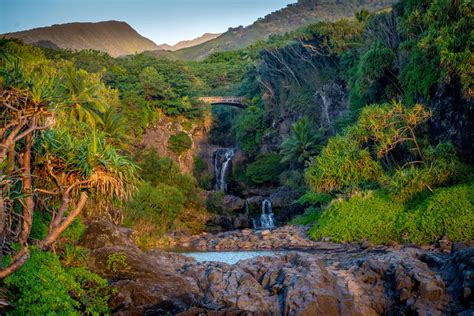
231,203
143,281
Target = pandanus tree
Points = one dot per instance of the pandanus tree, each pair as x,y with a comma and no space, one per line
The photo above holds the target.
52,158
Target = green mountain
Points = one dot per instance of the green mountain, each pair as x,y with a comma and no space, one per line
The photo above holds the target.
294,16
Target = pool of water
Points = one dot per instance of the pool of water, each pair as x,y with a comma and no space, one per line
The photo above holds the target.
229,257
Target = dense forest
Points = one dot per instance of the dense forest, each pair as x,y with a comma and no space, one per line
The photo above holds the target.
368,120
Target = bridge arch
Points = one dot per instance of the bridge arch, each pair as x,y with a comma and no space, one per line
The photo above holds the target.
229,100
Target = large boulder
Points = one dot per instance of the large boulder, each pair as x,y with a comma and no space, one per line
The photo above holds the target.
144,281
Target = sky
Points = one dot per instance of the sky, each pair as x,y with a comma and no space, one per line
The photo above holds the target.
163,21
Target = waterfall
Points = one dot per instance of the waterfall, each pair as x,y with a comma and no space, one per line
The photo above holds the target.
267,219
222,159
325,108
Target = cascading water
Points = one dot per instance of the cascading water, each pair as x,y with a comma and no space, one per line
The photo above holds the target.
222,159
267,219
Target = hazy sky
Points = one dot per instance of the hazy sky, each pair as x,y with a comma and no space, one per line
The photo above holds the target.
163,21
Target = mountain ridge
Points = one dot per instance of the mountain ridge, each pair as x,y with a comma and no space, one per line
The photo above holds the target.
289,18
116,38
190,43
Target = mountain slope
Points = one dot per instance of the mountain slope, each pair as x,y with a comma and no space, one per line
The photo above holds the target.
114,37
302,13
197,41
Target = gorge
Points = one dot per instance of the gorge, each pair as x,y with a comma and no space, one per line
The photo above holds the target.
316,162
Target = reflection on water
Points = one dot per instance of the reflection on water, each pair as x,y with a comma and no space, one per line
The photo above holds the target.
229,257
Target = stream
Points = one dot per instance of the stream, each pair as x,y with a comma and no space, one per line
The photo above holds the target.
229,257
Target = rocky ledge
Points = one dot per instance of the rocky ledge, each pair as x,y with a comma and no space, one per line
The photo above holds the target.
332,279
285,237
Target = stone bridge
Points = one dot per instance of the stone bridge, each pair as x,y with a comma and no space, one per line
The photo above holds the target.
234,101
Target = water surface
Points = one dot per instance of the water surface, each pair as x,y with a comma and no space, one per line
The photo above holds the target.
229,257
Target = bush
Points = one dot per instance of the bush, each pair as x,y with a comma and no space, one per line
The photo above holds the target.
342,164
448,212
310,216
315,199
201,173
215,201
442,166
249,130
179,143
370,217
157,169
265,169
43,286
158,204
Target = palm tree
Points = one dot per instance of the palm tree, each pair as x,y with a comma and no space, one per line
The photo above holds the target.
84,96
113,127
302,143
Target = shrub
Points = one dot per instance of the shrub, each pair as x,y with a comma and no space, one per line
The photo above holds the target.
179,143
265,169
314,198
441,167
310,216
158,205
201,173
370,217
447,212
342,164
215,201
249,130
157,169
43,286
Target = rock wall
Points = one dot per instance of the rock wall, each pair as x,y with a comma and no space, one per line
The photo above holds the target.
157,137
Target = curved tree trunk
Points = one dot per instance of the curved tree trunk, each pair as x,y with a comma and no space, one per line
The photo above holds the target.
57,230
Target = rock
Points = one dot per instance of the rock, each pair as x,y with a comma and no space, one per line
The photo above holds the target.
266,232
139,284
246,232
282,197
232,203
334,279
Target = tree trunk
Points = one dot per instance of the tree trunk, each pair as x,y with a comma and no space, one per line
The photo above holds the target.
56,231
28,209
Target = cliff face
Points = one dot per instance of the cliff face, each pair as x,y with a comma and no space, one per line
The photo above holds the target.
157,138
113,37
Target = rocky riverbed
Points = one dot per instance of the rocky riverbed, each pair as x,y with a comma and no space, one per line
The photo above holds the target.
285,237
331,279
